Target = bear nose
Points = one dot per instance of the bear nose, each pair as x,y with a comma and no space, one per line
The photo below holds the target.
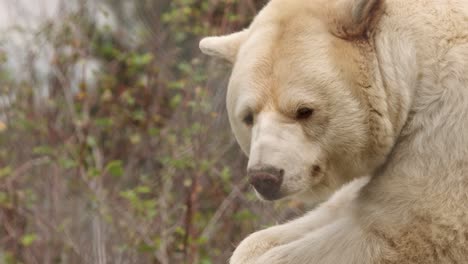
267,181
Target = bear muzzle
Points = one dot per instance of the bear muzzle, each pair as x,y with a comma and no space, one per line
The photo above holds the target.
267,181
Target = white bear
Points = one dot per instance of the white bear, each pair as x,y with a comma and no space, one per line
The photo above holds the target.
325,91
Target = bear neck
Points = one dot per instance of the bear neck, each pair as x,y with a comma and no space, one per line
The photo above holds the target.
422,65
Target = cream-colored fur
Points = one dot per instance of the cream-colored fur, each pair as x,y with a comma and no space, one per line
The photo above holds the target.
388,82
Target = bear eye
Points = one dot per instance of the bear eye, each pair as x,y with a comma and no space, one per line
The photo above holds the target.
248,119
304,113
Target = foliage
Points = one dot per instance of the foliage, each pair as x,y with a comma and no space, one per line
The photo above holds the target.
129,161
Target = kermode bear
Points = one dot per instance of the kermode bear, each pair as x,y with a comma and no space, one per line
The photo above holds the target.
324,92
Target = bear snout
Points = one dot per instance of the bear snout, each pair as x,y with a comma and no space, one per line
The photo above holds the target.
266,181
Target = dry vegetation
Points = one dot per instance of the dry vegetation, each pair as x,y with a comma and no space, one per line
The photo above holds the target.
114,145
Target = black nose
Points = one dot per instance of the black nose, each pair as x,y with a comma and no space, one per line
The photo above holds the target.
267,181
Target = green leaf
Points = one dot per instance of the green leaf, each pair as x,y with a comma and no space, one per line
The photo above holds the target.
128,98
129,195
104,122
205,261
8,258
43,150
201,240
179,231
108,51
146,248
144,59
115,168
226,174
175,101
94,172
5,171
244,215
140,60
4,200
68,163
91,141
205,166
185,67
139,115
153,131
28,239
143,189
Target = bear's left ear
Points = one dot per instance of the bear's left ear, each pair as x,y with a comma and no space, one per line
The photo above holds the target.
224,47
352,18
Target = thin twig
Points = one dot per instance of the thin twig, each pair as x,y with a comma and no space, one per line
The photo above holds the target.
214,221
24,168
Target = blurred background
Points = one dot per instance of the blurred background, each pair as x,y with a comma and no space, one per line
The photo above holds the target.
114,141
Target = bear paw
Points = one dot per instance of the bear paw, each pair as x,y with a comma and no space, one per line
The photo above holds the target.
255,245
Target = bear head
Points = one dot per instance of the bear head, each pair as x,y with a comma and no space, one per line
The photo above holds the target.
302,99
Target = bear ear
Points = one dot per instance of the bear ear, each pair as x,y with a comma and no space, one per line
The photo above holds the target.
352,18
224,47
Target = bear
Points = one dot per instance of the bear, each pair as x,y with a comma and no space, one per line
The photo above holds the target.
362,106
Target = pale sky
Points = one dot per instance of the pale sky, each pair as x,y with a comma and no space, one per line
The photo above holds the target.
19,24
26,13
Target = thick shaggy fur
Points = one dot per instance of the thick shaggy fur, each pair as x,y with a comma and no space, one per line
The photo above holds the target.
388,82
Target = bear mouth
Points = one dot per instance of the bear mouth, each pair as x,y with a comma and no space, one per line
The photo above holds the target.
269,196
275,196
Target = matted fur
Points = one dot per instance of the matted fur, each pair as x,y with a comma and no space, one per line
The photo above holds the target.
388,81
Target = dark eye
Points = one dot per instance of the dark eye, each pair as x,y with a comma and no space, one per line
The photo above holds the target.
304,113
248,119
